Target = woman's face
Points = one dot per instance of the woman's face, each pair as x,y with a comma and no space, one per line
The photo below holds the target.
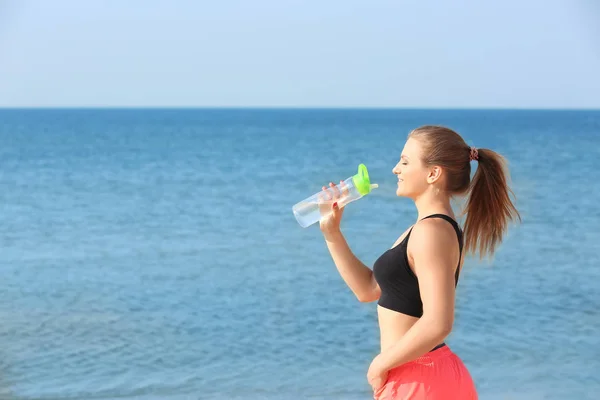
411,172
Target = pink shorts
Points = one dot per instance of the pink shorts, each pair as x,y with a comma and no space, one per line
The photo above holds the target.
438,375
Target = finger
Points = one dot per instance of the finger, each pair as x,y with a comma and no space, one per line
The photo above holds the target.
335,190
327,194
344,188
321,195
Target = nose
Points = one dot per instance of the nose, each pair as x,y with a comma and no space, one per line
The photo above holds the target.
396,169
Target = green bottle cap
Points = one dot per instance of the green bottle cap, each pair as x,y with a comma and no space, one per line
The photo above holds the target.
361,180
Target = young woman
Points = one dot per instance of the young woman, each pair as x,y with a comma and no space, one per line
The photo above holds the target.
414,281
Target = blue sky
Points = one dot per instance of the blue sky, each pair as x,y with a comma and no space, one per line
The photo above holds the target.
370,53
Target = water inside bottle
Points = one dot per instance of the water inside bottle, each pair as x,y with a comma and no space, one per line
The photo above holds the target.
307,218
310,211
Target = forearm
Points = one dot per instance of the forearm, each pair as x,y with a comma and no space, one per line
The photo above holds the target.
357,275
423,336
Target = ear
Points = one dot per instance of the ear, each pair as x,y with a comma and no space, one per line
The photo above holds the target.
434,175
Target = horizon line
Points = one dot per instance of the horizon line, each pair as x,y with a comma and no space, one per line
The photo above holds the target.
332,108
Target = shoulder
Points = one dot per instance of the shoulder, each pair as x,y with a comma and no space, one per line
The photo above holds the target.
432,237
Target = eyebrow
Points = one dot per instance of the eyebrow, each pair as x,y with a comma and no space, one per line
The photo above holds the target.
403,156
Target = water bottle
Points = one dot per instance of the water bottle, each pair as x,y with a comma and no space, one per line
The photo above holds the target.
317,206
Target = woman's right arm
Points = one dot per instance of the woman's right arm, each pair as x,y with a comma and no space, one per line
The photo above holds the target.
357,275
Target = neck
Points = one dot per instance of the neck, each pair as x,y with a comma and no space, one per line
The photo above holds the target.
429,203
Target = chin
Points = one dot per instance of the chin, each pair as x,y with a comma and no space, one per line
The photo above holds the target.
401,192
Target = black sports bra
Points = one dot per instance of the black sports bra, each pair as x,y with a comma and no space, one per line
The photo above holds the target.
398,283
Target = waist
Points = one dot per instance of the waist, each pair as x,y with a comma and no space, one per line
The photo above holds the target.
393,326
440,351
428,359
433,362
439,346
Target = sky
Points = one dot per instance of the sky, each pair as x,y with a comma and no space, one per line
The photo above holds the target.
300,53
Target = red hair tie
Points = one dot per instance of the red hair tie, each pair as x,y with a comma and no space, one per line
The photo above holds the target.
474,154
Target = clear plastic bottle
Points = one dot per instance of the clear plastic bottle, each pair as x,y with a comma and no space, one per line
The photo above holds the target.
317,206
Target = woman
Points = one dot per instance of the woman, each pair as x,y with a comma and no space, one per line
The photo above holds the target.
414,281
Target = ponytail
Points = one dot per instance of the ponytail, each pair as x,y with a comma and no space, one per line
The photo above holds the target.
489,208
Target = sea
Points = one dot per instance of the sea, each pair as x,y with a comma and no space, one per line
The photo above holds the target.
152,254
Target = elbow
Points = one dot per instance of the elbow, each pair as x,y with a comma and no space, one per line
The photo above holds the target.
445,329
441,331
367,297
440,327
370,293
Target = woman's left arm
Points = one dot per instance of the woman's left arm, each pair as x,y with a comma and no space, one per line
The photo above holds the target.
430,244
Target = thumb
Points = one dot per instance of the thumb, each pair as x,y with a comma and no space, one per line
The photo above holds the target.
336,208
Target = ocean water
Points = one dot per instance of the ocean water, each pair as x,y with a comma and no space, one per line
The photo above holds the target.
153,254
